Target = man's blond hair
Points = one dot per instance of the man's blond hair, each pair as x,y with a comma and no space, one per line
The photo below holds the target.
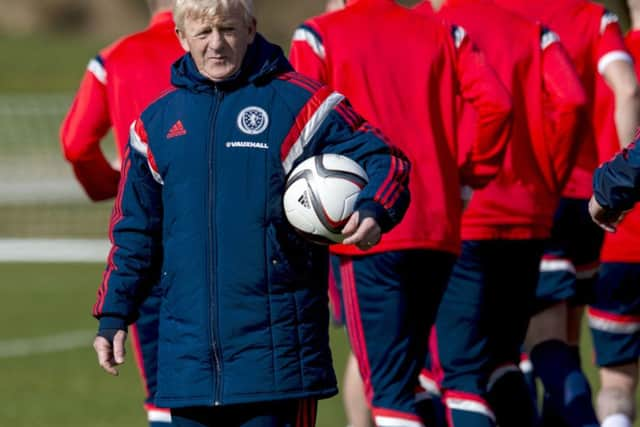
209,9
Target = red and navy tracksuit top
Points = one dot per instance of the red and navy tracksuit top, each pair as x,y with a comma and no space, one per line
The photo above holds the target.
244,313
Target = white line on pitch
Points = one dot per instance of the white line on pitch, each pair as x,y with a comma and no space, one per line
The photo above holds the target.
47,344
54,250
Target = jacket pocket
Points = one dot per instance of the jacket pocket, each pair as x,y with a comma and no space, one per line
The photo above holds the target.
290,257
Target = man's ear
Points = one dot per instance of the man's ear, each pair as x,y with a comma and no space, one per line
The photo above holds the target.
182,39
252,30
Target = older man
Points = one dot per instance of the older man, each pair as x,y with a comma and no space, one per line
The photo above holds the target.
243,321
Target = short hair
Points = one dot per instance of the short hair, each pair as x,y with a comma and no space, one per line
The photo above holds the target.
209,8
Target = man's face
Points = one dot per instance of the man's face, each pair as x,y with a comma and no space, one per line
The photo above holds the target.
218,44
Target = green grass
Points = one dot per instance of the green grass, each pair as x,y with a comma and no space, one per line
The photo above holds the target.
44,63
67,388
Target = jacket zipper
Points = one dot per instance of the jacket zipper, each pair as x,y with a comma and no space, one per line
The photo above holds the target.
213,318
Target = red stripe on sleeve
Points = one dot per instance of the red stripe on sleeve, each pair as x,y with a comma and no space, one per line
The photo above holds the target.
116,217
302,119
296,79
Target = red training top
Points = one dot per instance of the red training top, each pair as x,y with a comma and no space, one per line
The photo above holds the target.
593,39
547,99
409,91
117,86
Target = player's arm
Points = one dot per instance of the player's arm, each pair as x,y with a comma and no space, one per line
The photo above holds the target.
564,101
616,67
84,126
307,53
482,89
135,256
333,127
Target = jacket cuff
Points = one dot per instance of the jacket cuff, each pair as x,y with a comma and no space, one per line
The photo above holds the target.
108,322
371,209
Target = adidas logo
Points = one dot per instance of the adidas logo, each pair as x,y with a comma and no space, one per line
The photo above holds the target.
176,130
304,200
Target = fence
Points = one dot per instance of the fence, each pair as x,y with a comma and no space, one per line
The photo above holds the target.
39,197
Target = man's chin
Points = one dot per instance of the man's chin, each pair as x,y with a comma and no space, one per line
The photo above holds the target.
220,73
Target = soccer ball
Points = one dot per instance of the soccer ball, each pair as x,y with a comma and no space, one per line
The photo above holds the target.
320,195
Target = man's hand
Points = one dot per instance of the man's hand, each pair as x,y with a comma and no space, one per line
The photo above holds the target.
110,356
605,218
364,235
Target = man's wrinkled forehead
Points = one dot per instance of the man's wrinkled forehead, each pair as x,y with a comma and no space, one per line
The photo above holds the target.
218,14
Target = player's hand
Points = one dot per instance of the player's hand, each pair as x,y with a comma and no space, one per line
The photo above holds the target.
110,356
364,235
605,218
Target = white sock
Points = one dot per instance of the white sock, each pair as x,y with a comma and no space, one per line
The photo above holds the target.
616,420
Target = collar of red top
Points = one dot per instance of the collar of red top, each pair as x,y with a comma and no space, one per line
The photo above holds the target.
161,17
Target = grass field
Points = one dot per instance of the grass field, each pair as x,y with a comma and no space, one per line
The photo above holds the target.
67,387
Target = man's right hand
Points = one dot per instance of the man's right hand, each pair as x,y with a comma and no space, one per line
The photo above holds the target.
110,356
605,218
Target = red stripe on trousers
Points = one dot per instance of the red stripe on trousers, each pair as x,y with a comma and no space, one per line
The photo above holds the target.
355,329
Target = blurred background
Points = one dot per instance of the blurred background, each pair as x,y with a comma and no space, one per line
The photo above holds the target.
52,239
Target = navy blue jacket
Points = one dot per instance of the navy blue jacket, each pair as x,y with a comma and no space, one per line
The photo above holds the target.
244,298
616,184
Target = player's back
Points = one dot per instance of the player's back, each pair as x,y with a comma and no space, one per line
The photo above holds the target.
137,70
397,69
622,246
580,25
520,202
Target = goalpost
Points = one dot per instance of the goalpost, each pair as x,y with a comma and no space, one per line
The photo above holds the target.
44,213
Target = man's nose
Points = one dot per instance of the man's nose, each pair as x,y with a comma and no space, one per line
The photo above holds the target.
215,39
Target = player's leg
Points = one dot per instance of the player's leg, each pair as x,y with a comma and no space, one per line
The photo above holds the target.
353,397
461,335
144,341
526,367
575,240
389,299
429,395
616,398
512,279
586,258
614,320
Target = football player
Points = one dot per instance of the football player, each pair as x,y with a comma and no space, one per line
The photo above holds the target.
570,265
485,310
403,72
614,313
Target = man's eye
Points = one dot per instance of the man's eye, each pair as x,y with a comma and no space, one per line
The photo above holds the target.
203,34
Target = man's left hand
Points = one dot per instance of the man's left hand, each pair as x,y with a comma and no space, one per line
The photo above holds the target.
364,235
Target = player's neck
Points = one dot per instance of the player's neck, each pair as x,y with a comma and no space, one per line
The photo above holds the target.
635,19
437,4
